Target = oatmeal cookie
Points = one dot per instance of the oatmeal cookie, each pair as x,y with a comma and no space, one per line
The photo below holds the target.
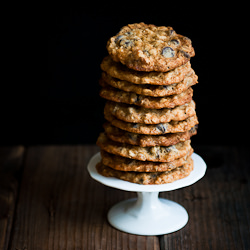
117,95
125,164
148,178
152,90
119,71
154,129
141,140
157,153
144,47
134,114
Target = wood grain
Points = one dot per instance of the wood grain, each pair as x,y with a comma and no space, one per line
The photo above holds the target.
61,207
218,205
58,206
10,175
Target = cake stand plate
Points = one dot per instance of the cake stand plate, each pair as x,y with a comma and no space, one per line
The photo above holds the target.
148,214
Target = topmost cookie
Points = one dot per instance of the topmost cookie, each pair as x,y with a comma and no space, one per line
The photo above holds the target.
146,47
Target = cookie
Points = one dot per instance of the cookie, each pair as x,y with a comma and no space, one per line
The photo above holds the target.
157,153
117,95
125,164
141,140
152,90
134,114
146,178
154,129
144,47
119,71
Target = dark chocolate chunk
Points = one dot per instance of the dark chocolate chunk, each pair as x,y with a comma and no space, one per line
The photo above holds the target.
132,136
171,32
193,129
129,33
126,43
168,52
141,180
168,149
175,42
117,40
162,127
185,54
153,175
135,125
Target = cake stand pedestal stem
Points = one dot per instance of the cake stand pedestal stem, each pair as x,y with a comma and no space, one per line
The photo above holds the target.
148,215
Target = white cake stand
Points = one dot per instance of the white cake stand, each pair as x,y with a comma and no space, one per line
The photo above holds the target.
148,214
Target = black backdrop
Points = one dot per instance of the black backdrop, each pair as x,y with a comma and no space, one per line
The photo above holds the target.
60,103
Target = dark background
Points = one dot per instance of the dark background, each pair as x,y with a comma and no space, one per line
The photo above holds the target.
55,97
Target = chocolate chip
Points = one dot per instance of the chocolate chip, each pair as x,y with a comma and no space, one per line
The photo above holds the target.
153,175
165,86
139,98
118,38
185,54
168,52
141,180
126,43
193,129
168,149
128,33
162,127
122,41
135,125
171,32
132,137
175,42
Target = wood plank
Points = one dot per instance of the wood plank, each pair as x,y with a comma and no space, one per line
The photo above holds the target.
61,207
218,205
10,173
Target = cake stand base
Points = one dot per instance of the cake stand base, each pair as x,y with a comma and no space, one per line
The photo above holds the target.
148,215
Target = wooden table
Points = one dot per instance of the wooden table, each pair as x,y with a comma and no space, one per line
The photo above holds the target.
48,201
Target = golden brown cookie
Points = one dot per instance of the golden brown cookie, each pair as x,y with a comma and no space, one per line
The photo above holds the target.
141,140
144,47
153,129
157,153
134,114
146,178
171,101
119,71
125,164
152,90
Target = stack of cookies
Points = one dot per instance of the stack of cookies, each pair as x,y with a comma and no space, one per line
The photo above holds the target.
150,114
